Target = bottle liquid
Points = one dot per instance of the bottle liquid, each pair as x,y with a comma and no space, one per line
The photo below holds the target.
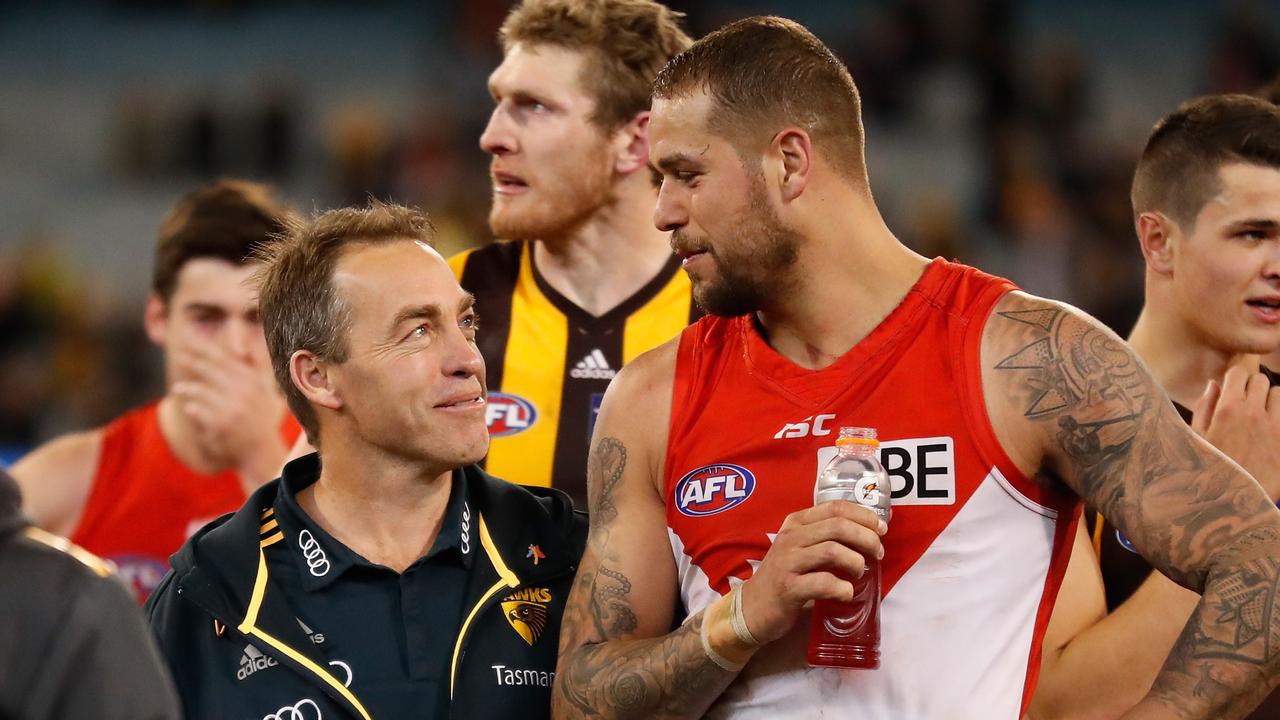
847,634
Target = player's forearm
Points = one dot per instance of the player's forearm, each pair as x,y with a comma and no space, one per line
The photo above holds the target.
1117,659
1227,658
665,677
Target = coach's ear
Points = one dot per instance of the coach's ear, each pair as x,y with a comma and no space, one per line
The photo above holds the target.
314,378
631,143
1157,235
792,151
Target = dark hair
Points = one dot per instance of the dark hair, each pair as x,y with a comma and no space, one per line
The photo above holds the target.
628,42
1178,171
763,73
1270,92
226,219
300,308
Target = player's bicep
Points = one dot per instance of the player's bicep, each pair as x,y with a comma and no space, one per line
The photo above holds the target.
1081,406
56,478
625,584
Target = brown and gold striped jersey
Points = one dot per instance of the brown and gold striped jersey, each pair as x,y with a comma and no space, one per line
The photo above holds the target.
548,361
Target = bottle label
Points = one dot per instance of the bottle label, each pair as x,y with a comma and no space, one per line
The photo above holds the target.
922,471
867,492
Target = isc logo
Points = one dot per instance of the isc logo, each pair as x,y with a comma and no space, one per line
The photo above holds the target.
713,489
507,414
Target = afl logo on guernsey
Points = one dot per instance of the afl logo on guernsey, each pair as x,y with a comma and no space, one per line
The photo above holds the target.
713,489
1125,542
507,414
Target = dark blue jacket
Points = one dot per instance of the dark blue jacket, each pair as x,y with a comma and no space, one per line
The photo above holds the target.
219,597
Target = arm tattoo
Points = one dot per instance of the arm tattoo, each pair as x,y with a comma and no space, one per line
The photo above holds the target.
608,460
602,672
1116,442
610,591
610,605
664,677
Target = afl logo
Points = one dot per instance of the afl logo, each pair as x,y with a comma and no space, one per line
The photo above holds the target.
1125,542
507,414
713,489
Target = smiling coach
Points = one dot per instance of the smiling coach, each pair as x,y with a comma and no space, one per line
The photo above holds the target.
387,575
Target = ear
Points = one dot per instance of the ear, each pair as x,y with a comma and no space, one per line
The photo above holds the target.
1157,236
632,145
314,379
794,151
155,319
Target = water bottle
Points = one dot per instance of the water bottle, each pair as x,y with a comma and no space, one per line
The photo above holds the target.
847,634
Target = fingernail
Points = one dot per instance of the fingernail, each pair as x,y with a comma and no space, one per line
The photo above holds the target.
880,553
882,527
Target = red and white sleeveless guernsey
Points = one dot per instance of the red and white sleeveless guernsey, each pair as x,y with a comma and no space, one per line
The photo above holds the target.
975,551
145,502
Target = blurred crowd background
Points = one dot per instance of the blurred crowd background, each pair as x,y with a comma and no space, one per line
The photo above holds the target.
1000,132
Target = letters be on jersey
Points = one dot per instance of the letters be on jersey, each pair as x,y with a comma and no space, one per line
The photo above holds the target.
922,471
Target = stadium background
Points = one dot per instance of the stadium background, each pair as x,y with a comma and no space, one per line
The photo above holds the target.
1001,133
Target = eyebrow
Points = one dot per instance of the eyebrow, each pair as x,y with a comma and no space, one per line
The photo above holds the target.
428,311
203,307
668,162
517,95
1259,223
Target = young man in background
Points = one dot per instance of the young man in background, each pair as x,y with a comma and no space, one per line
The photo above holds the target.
134,490
580,282
1206,205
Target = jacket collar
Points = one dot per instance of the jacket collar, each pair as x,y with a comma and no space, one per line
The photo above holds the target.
322,558
527,532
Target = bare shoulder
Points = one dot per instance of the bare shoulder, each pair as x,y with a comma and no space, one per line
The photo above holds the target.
72,455
639,399
637,406
55,479
651,371
1049,370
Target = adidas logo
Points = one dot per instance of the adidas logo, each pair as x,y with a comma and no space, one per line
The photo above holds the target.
593,367
315,637
252,661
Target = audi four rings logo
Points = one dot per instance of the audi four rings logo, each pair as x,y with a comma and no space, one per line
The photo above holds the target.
304,709
317,561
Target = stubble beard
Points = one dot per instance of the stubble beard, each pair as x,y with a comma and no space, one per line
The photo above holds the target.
553,212
747,279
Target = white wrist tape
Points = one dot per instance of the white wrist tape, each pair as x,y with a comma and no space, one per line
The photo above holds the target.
739,622
715,657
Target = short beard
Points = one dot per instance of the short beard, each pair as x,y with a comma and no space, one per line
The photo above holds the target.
542,223
759,270
563,206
